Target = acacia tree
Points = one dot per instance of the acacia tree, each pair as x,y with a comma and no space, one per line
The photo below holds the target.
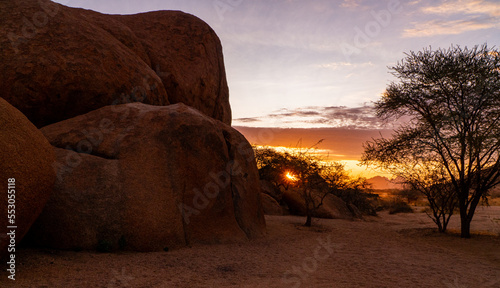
300,170
271,164
355,191
427,177
312,179
452,98
305,172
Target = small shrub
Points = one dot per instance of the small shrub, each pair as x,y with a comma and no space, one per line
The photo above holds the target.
409,195
366,202
399,206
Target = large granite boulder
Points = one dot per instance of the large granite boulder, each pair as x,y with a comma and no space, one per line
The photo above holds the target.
59,62
188,57
26,173
142,177
270,205
333,207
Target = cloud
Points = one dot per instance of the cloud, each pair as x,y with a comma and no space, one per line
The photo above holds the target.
248,120
349,4
332,116
338,65
416,2
456,17
438,27
335,65
465,7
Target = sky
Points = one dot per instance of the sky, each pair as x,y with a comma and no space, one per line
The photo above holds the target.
321,63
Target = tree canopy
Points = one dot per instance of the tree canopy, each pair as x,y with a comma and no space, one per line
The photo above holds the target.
314,179
451,99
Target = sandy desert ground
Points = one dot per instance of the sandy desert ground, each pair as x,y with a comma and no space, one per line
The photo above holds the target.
386,251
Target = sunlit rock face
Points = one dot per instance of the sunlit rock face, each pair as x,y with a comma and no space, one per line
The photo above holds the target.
26,174
141,177
58,62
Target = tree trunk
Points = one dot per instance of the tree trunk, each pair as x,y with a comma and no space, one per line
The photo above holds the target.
308,220
470,214
464,221
446,220
465,227
441,229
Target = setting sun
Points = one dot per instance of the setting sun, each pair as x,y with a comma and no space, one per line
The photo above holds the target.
291,177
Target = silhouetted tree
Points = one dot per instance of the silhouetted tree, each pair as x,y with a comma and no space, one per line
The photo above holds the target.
429,178
355,191
313,179
271,164
452,100
306,171
300,170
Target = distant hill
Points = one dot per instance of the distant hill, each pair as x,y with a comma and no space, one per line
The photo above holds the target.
383,183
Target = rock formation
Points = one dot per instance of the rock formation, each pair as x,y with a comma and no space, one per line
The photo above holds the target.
271,190
142,177
270,205
59,62
26,158
138,113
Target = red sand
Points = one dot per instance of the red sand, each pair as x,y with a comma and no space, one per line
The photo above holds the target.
387,251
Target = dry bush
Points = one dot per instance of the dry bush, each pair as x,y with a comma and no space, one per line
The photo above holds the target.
398,206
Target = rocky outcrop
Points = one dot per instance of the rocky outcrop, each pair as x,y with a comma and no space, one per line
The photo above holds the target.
270,205
271,190
26,173
188,57
59,62
142,177
333,207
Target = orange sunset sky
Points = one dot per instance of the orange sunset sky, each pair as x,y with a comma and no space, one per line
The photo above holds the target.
340,144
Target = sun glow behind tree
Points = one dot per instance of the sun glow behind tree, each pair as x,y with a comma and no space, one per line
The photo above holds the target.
290,177
328,156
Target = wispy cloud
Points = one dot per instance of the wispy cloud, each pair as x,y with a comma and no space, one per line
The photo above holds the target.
456,17
350,4
465,7
332,116
438,27
339,65
247,120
